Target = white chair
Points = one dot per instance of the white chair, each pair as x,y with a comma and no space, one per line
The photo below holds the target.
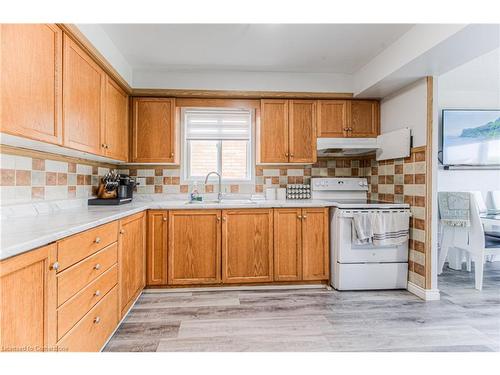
479,245
495,199
479,200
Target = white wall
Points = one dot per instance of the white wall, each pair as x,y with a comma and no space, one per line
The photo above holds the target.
101,41
475,85
406,108
237,80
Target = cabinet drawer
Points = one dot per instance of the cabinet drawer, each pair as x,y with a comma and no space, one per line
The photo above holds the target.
78,276
73,310
90,333
75,248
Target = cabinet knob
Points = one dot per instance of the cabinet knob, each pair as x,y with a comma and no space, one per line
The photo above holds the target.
97,267
54,266
171,154
291,155
103,145
164,219
97,239
122,231
97,293
299,217
223,218
304,217
97,319
218,218
286,154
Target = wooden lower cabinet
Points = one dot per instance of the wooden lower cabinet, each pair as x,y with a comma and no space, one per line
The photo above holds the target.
28,301
131,259
247,245
157,245
194,244
287,244
315,244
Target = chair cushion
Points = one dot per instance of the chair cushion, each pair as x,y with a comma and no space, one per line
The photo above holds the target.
491,241
492,233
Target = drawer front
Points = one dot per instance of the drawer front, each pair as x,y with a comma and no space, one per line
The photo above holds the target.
75,308
73,249
90,333
72,280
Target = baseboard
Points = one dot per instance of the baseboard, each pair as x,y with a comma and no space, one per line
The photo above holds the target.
425,294
223,288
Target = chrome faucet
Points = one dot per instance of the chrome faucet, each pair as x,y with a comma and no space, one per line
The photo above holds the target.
219,195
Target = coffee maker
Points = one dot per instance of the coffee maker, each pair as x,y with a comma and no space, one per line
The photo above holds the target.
114,189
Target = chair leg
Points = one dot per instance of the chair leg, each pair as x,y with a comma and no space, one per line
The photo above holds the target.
445,246
478,271
468,262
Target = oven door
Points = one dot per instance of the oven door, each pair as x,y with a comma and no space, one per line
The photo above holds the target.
346,251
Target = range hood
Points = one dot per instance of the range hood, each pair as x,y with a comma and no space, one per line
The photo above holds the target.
390,145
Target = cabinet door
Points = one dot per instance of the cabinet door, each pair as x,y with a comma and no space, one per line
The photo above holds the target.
31,81
247,245
156,268
332,118
115,129
302,131
273,131
153,139
315,249
287,244
28,300
194,247
83,102
131,259
364,118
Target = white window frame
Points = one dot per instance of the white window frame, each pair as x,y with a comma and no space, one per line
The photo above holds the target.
185,154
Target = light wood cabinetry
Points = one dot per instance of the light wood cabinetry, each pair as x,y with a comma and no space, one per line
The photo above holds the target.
364,118
332,118
287,132
348,118
194,247
287,244
157,245
301,250
31,81
315,245
247,245
84,84
153,130
273,131
131,259
28,301
115,129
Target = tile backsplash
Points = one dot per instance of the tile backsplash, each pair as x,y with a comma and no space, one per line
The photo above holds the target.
25,179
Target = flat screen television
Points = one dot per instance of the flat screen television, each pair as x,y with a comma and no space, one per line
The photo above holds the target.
470,137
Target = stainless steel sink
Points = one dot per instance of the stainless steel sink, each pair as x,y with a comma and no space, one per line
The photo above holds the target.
224,202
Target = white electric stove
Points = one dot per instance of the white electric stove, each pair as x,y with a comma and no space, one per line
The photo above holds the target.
353,266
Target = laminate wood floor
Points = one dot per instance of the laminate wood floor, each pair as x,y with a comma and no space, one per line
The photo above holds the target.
317,319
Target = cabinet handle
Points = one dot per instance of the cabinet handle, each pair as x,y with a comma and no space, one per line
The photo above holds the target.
122,231
54,266
97,293
97,267
97,319
97,240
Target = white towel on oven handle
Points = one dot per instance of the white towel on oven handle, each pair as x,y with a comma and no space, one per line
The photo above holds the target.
390,228
362,228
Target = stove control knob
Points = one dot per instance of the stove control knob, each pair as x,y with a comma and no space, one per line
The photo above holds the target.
361,183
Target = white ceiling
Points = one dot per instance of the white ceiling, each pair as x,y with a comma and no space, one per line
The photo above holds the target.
319,48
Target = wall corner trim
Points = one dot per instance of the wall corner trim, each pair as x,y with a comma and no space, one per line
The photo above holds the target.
425,294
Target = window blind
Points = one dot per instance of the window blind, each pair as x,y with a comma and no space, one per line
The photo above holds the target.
217,124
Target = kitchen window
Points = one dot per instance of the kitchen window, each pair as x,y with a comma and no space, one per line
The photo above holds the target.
217,139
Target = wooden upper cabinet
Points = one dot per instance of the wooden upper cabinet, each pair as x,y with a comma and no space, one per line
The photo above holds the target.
247,245
115,129
287,244
194,247
273,131
31,81
131,259
153,128
315,247
28,300
364,118
84,85
302,131
157,245
332,118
